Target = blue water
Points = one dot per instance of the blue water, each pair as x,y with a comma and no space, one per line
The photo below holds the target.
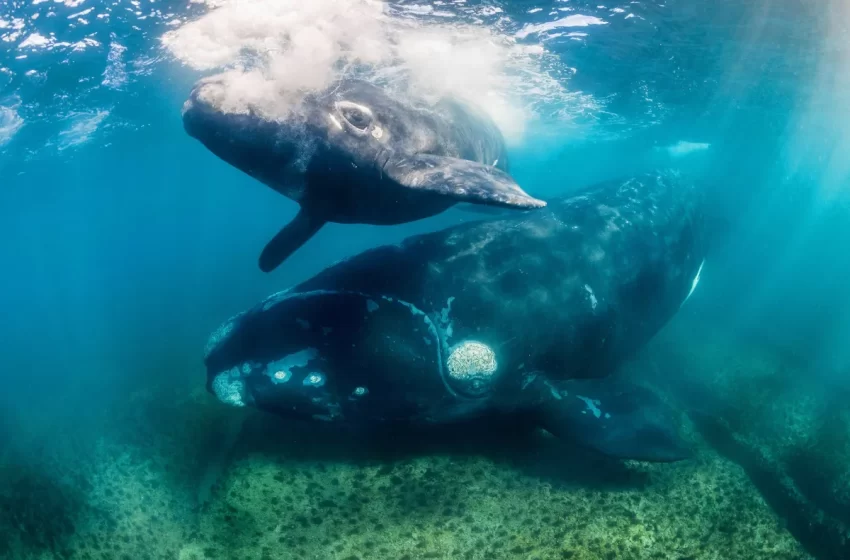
124,243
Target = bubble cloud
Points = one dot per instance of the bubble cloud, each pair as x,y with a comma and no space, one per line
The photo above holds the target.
269,53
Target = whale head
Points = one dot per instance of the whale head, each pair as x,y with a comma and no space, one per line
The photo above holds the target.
273,150
329,356
339,139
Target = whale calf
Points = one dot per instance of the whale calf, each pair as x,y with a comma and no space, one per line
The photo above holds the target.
524,317
354,153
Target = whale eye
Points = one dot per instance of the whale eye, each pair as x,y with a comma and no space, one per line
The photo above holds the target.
357,116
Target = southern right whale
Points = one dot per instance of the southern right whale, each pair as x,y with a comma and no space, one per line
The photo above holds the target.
354,153
524,317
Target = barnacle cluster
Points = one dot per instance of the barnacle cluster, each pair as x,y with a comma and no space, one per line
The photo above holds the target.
471,359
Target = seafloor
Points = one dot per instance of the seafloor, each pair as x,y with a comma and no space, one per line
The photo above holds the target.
172,474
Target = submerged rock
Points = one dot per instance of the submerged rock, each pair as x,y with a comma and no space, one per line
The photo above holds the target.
788,428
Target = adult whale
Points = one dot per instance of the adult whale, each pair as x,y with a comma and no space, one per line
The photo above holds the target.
523,316
356,154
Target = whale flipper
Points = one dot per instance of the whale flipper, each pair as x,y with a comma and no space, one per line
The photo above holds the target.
289,239
463,180
614,418
482,210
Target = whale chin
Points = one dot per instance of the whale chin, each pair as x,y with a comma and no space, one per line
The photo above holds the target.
348,338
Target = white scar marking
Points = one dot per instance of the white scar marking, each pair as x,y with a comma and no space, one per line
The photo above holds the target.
591,405
335,121
445,318
696,281
554,391
593,301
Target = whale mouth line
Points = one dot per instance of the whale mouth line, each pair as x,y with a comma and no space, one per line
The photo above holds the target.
373,302
383,160
436,330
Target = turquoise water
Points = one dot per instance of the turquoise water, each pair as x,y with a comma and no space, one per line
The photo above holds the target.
125,242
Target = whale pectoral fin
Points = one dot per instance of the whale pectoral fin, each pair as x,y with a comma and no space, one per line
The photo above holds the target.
460,179
482,210
289,239
614,418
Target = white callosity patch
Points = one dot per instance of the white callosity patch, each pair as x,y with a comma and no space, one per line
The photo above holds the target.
315,379
592,406
274,51
360,392
229,388
280,371
221,334
471,359
281,376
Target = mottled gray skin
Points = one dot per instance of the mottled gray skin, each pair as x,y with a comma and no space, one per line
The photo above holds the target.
560,296
356,154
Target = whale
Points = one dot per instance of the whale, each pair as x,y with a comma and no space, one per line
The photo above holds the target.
526,317
355,153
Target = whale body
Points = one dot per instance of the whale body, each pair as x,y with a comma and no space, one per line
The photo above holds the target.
355,153
527,316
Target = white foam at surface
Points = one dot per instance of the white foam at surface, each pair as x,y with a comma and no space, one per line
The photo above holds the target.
35,40
81,129
115,74
81,14
683,148
272,51
10,123
576,20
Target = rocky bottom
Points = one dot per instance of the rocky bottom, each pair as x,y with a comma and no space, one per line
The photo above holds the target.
176,477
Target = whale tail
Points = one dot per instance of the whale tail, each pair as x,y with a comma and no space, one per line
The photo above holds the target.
617,419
